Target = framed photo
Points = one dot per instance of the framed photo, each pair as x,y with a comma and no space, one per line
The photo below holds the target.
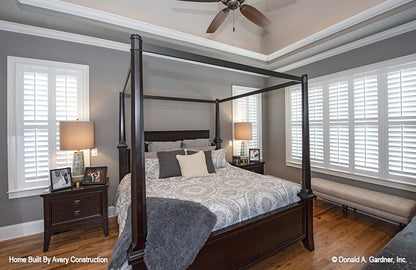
236,159
254,154
95,176
61,179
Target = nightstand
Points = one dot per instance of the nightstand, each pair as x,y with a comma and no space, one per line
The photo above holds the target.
257,167
70,208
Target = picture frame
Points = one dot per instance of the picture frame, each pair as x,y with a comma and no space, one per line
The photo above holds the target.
236,160
254,154
61,179
95,176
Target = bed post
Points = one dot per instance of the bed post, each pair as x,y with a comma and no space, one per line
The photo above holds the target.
306,192
138,188
217,139
123,151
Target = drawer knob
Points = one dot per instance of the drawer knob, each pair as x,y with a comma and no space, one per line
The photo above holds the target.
76,212
76,202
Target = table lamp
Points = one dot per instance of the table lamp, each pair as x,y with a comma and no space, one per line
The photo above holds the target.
76,136
243,131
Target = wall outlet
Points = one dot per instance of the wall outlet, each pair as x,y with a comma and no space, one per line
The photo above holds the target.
94,152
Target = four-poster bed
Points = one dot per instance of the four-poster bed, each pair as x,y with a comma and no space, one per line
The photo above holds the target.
237,245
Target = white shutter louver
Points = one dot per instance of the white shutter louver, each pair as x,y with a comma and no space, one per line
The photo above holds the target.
66,110
338,122
296,122
401,86
35,118
315,97
366,153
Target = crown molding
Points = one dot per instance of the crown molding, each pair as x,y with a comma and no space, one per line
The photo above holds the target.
352,46
357,19
60,35
97,42
145,29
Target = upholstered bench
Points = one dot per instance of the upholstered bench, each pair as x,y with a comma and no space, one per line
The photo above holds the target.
383,205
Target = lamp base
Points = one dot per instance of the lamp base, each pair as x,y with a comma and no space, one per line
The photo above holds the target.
78,164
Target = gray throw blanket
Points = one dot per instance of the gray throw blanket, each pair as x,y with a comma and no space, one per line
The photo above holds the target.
176,231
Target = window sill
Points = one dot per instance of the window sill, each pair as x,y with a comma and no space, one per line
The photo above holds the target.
26,193
368,179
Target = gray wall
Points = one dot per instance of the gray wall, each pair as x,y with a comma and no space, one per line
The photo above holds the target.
108,69
274,105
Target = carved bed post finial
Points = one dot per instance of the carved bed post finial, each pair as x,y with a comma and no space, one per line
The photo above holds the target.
217,139
138,187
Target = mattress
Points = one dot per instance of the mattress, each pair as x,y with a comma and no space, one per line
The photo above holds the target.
232,194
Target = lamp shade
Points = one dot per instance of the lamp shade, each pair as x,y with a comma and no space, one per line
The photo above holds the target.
243,131
76,135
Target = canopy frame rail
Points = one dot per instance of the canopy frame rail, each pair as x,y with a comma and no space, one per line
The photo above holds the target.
138,186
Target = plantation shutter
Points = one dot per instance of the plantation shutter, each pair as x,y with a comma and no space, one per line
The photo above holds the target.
338,124
366,123
401,86
35,125
40,95
247,109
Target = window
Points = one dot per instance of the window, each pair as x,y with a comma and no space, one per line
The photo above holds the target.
247,109
40,94
362,123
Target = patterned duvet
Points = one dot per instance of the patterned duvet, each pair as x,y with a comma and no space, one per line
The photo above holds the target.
232,194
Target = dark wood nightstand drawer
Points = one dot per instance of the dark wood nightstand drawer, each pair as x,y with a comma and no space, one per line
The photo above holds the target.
70,208
76,207
257,167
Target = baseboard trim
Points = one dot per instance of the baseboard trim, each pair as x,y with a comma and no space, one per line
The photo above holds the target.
32,227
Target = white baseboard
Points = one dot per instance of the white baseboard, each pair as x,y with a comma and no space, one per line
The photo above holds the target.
32,227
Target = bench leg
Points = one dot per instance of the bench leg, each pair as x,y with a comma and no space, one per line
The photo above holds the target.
345,210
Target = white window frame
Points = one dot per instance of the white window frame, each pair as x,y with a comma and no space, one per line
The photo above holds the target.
17,187
237,89
382,177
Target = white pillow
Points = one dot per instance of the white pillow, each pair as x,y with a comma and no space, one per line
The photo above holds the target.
193,165
218,157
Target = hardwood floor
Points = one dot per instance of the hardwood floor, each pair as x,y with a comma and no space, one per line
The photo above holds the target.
357,235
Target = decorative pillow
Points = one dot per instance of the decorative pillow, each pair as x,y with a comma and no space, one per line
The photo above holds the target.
193,165
152,168
168,164
163,146
196,143
208,159
218,157
205,148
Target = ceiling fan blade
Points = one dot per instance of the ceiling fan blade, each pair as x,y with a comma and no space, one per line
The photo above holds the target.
218,20
200,0
254,15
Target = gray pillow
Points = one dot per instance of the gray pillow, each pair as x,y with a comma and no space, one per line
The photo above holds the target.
168,164
208,160
163,146
196,143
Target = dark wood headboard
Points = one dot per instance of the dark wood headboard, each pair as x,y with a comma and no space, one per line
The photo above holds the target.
158,136
177,135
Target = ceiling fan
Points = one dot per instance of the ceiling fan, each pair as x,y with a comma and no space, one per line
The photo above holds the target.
248,11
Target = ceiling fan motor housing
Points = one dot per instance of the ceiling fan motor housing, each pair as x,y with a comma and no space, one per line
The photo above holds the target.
233,4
